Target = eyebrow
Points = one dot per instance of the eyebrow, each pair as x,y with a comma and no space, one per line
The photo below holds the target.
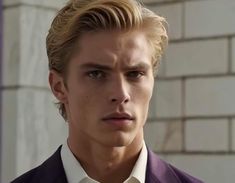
95,66
138,66
141,66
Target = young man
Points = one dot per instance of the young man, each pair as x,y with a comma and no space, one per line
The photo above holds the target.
102,58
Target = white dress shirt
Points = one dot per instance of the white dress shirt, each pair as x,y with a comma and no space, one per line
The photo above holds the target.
76,174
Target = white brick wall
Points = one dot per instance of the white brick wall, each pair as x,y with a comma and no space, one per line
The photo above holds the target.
209,18
32,130
19,66
197,57
173,14
8,137
153,1
207,135
211,168
35,64
187,91
161,70
29,116
233,134
166,100
40,129
11,44
233,54
200,58
49,4
210,96
164,136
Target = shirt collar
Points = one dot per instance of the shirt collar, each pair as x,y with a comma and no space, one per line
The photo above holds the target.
139,169
75,173
73,169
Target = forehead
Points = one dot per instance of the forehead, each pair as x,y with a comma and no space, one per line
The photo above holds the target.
106,45
114,41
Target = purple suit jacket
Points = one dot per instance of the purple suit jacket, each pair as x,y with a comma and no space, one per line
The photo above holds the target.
158,171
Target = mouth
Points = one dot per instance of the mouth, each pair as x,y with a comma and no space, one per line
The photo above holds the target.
118,119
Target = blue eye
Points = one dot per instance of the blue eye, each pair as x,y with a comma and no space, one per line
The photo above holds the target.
96,74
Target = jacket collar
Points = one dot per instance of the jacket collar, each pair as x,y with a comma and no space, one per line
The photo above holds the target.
158,171
52,170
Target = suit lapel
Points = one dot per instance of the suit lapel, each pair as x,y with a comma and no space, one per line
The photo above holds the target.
158,171
52,170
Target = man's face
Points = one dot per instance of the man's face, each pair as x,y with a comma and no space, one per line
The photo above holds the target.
109,86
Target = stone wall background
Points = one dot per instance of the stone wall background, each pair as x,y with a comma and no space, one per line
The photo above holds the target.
31,126
192,116
192,119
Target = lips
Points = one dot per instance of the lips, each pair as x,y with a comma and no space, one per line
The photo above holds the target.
118,116
118,120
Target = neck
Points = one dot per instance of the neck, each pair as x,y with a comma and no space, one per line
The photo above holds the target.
105,163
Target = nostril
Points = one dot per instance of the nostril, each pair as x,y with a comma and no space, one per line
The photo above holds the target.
125,101
121,101
114,100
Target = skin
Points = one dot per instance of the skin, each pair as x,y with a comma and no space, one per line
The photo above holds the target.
110,73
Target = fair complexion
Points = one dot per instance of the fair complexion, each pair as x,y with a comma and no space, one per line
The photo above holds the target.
109,84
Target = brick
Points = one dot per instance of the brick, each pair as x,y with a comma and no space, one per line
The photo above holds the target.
51,4
206,135
8,137
11,47
233,135
25,59
32,129
34,66
195,58
210,96
164,136
233,54
40,129
166,100
173,15
154,1
209,168
159,1
209,18
161,70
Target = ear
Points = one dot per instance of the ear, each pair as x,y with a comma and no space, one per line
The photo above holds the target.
57,85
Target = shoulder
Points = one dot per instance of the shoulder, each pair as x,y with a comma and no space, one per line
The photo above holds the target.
161,171
27,177
183,176
50,171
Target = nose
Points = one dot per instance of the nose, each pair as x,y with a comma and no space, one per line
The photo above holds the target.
119,91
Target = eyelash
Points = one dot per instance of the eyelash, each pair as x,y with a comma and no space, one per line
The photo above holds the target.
96,72
137,74
99,74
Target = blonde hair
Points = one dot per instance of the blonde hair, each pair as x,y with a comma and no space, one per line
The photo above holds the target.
81,16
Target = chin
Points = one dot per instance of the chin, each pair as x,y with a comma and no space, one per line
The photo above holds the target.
119,139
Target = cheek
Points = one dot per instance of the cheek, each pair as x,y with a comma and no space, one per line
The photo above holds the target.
82,104
145,92
80,110
145,100
83,98
143,96
77,102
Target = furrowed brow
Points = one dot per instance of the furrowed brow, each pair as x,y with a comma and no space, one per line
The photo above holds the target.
139,66
95,66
